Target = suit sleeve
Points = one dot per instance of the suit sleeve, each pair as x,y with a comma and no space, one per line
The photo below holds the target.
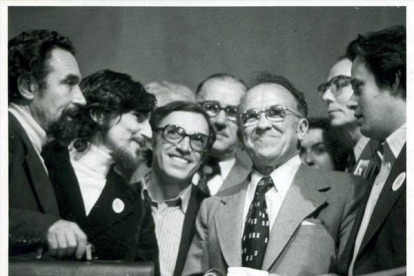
355,195
27,226
198,256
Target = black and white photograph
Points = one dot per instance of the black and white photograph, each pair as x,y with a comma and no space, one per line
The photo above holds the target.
215,138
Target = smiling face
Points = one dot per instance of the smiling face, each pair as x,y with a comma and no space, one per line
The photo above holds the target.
126,138
314,152
60,91
271,144
227,92
178,162
339,114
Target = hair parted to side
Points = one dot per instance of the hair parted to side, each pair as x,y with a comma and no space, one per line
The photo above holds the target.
161,112
220,76
108,95
384,54
29,53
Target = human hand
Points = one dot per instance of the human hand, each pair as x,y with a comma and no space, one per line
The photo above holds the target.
245,271
65,238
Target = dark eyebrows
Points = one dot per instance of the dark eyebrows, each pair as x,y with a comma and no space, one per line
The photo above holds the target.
355,82
71,78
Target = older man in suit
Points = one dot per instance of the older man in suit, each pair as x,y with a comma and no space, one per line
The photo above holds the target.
183,137
378,240
219,95
44,82
286,218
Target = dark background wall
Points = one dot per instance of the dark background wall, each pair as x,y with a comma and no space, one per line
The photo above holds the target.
186,44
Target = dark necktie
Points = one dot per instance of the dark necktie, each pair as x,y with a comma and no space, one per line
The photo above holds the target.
256,228
372,175
208,170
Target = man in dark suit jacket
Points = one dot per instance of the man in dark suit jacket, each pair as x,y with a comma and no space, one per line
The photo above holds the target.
103,141
182,138
219,95
298,224
43,83
378,240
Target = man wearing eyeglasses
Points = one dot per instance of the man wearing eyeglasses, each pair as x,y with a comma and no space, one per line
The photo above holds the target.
286,218
182,138
336,93
219,95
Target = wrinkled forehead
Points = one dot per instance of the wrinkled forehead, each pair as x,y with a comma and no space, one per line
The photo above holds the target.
191,122
342,67
264,95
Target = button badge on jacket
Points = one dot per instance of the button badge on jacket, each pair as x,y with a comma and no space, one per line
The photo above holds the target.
118,205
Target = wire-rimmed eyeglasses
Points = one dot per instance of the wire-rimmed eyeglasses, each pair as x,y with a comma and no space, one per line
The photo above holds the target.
274,113
213,108
336,84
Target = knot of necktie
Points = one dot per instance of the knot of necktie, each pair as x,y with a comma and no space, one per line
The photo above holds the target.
264,185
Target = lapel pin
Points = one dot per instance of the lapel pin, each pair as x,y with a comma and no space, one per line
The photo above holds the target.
398,181
118,205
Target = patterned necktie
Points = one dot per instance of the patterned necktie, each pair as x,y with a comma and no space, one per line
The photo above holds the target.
256,228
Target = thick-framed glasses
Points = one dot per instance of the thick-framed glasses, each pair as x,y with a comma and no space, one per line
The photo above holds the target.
175,134
336,84
274,113
213,108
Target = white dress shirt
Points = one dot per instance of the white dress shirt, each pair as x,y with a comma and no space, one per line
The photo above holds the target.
282,178
392,148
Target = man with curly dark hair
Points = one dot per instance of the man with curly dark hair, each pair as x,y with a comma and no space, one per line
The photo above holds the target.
44,82
91,152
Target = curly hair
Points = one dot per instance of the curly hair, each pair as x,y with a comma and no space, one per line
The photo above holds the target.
108,95
384,54
29,53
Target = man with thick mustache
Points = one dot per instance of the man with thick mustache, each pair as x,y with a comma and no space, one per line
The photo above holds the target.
286,218
102,141
44,79
379,239
219,95
182,138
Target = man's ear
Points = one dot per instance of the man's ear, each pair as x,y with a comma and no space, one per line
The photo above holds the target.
28,87
98,117
302,129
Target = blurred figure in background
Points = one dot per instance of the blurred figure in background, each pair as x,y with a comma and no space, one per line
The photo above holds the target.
322,147
167,92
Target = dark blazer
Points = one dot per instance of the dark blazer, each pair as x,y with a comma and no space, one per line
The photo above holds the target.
32,203
309,233
189,230
126,235
384,244
367,166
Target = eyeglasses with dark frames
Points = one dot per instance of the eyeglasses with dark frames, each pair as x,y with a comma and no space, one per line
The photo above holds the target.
335,84
175,135
274,113
213,108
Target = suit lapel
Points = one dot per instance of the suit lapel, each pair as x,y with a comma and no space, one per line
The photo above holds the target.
387,198
197,197
302,199
116,202
40,179
237,174
229,223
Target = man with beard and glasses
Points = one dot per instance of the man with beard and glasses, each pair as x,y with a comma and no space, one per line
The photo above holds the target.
44,81
100,142
219,95
183,137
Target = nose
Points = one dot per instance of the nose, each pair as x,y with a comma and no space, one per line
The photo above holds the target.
78,97
221,118
146,130
308,159
353,102
184,145
328,96
263,122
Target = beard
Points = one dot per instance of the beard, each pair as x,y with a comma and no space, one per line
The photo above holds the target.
126,161
66,128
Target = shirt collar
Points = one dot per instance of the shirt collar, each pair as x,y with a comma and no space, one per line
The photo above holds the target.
360,146
226,166
94,158
183,197
34,131
282,176
395,142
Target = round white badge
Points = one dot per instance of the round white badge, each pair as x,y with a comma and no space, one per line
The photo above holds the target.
398,181
118,205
